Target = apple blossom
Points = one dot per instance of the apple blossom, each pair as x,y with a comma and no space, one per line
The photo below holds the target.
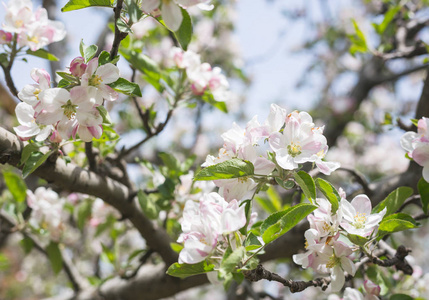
357,217
334,260
99,77
78,66
30,92
417,145
204,225
5,37
28,126
46,210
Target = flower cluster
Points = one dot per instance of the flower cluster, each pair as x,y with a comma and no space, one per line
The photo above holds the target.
66,112
170,10
32,29
325,252
202,76
206,226
292,139
417,145
46,211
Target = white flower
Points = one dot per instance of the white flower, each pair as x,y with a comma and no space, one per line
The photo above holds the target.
29,128
357,217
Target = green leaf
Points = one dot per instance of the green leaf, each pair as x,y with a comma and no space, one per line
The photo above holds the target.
146,65
54,255
358,40
252,242
170,161
87,52
176,247
27,244
69,77
134,11
230,262
109,135
330,193
306,182
423,187
108,254
104,58
396,222
184,33
125,87
4,59
79,4
233,168
123,27
281,222
104,114
287,185
148,207
27,151
208,98
83,213
42,53
394,200
16,186
388,17
357,239
186,270
35,160
273,203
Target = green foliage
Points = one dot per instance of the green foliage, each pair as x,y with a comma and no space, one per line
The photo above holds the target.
16,186
423,187
233,168
55,257
358,40
306,182
330,193
87,52
401,297
252,242
42,53
388,18
396,222
393,201
104,58
83,213
143,63
125,87
357,239
208,98
184,33
186,270
148,206
27,244
281,222
79,4
35,160
271,204
134,11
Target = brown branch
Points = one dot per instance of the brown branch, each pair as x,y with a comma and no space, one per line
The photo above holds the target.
398,260
295,286
360,179
119,36
73,178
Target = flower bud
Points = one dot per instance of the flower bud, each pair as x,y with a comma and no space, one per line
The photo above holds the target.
78,66
5,37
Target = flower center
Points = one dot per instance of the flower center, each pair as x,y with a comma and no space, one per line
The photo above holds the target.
34,39
69,110
333,261
95,80
294,149
360,220
36,93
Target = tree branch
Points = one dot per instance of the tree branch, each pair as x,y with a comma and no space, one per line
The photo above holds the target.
73,178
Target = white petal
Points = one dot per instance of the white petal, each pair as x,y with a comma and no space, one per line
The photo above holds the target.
172,15
109,73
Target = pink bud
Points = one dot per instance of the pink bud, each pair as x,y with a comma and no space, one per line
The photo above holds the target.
40,74
5,37
198,87
371,288
78,66
55,137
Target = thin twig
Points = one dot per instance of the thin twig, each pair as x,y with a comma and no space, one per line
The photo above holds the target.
415,199
143,260
119,36
295,286
359,178
397,260
90,156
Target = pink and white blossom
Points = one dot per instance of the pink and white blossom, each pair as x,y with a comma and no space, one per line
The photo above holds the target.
357,217
28,127
30,93
98,77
